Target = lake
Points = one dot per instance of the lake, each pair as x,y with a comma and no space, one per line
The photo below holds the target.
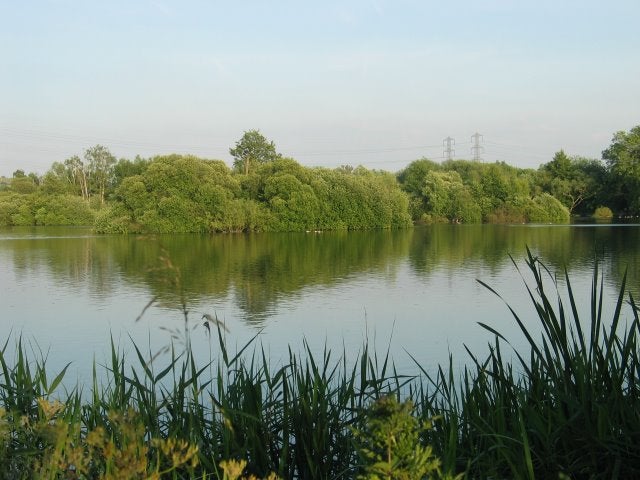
413,292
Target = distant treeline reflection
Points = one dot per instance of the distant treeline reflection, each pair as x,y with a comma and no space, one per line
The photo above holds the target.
260,270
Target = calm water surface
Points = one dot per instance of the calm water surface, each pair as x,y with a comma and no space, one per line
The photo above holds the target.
66,290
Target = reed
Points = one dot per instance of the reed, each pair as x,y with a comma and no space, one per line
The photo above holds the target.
295,421
568,406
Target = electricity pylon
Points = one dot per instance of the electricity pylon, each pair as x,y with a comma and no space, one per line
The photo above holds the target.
449,150
476,148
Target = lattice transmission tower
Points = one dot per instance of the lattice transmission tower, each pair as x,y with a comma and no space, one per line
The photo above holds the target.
449,150
476,148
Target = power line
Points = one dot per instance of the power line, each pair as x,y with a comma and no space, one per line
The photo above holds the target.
365,150
29,135
12,135
14,142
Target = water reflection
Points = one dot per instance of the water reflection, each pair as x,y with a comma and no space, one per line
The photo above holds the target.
262,271
575,247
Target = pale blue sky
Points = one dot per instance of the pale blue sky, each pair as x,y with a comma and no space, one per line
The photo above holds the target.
377,83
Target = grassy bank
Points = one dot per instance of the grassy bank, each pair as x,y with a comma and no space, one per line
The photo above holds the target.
568,406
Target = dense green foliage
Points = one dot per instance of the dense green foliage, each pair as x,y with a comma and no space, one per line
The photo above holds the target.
462,191
577,182
187,194
268,192
177,194
623,161
465,191
567,408
39,209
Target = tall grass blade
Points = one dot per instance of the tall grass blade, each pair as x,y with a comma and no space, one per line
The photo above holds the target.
56,381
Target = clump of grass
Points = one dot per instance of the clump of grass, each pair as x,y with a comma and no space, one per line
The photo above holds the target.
294,421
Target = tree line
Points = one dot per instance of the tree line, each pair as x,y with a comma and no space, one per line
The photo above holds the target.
266,191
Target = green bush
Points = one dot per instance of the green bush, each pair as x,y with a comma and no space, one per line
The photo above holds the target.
115,219
63,210
603,213
388,445
38,209
544,208
187,194
507,214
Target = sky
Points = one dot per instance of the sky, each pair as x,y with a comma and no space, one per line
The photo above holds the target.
375,83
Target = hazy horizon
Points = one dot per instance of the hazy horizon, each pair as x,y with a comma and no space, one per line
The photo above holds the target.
372,83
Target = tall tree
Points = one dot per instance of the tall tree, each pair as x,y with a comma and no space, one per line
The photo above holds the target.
560,166
252,149
79,174
100,163
575,181
623,160
412,179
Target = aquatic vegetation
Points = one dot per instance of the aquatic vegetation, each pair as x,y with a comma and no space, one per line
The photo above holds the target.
566,405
